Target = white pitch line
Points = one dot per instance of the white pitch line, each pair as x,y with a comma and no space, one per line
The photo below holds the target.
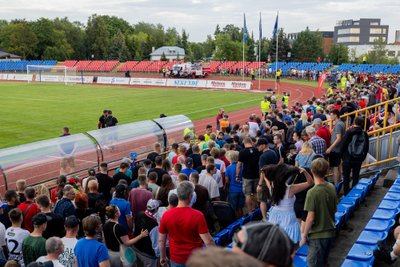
230,105
34,99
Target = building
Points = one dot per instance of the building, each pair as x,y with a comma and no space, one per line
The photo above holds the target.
392,50
170,52
397,38
8,56
360,32
326,41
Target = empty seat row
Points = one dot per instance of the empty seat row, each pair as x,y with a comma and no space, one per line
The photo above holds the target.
20,65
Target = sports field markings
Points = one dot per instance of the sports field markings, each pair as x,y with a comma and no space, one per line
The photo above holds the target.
33,99
223,106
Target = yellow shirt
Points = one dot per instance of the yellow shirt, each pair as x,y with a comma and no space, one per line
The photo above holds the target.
265,105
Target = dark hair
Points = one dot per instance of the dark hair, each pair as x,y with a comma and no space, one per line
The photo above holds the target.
173,200
201,138
124,165
335,112
359,121
210,167
30,192
61,180
278,174
208,126
15,215
90,225
10,194
111,211
91,172
153,176
43,200
158,160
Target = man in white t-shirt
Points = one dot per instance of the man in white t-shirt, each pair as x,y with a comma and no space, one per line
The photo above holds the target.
71,225
206,179
14,236
54,248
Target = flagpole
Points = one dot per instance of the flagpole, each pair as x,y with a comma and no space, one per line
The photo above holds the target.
243,63
244,40
276,52
259,55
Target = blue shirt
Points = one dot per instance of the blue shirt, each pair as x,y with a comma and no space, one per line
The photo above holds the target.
188,171
234,186
90,252
304,160
125,209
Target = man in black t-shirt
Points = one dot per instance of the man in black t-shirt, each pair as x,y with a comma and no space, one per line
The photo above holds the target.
55,222
121,174
111,120
102,120
106,183
196,156
278,122
248,160
158,169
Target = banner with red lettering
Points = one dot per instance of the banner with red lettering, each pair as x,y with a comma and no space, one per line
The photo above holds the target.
321,81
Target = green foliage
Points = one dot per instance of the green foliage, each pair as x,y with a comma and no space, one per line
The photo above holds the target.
98,37
283,47
226,48
378,55
119,50
18,38
308,46
163,57
339,54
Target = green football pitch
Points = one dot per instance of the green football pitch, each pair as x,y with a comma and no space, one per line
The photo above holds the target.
33,112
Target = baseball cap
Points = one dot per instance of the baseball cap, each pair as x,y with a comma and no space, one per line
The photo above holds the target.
39,219
126,160
261,141
189,162
74,179
268,242
317,121
318,108
71,221
152,204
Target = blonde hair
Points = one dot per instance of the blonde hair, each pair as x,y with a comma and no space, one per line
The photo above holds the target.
307,148
304,118
20,185
42,190
232,156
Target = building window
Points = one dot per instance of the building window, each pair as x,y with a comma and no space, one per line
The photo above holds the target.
384,31
391,53
349,39
374,23
349,31
356,23
377,31
374,38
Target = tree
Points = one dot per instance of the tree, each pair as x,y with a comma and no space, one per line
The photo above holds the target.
308,46
209,47
75,35
197,51
98,38
283,49
339,54
118,49
171,37
250,49
163,57
378,54
18,38
217,30
235,33
227,49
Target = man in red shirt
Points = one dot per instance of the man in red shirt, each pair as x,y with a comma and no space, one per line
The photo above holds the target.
185,227
29,208
322,131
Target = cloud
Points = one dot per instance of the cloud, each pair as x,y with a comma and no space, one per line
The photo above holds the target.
200,17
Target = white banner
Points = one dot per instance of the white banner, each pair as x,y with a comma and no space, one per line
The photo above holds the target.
228,84
112,80
3,76
20,77
148,81
78,79
49,78
186,83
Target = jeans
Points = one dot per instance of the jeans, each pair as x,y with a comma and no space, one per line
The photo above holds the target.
173,264
318,252
354,167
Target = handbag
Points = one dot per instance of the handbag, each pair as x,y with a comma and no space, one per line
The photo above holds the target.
126,254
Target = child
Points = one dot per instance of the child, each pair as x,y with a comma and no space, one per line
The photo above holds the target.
20,186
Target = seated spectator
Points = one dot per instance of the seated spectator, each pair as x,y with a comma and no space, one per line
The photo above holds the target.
138,197
266,242
152,186
54,221
71,225
82,210
93,194
166,186
115,234
88,251
11,198
29,208
56,193
64,206
34,245
120,200
54,248
15,236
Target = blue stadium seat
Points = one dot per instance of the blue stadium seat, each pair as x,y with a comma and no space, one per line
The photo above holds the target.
392,196
350,202
245,219
356,263
361,252
345,209
299,261
222,237
389,204
381,214
303,250
394,188
256,215
357,193
371,237
379,225
233,228
339,186
367,181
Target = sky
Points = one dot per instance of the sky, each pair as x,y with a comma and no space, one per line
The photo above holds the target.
200,17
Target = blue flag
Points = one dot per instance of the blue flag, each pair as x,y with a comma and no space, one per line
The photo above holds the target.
244,29
275,27
260,29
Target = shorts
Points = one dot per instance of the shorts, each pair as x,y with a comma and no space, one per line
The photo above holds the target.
236,199
264,194
249,186
334,159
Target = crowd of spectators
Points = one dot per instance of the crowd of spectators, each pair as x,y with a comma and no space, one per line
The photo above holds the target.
160,210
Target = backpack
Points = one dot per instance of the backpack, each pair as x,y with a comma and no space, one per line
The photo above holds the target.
357,146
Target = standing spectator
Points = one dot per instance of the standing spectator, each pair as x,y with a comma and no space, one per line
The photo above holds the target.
152,179
283,196
29,208
138,197
318,144
302,123
166,186
322,131
115,234
334,149
156,153
202,197
119,200
298,141
34,245
305,156
20,187
267,157
111,120
15,236
54,221
128,172
56,193
354,151
280,148
71,225
121,175
189,167
64,206
54,248
82,210
102,120
235,191
319,228
208,132
11,197
185,227
93,195
174,151
196,157
158,169
219,117
106,183
248,159
207,180
182,177
88,251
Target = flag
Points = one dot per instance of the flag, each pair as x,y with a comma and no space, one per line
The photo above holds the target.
321,81
260,29
275,27
244,28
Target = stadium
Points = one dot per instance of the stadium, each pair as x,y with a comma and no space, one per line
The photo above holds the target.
128,144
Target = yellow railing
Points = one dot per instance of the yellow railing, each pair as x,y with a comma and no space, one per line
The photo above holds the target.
366,112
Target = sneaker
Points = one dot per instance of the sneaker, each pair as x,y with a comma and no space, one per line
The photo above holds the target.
383,254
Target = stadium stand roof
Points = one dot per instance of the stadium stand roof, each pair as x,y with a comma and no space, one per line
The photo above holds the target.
6,55
169,51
